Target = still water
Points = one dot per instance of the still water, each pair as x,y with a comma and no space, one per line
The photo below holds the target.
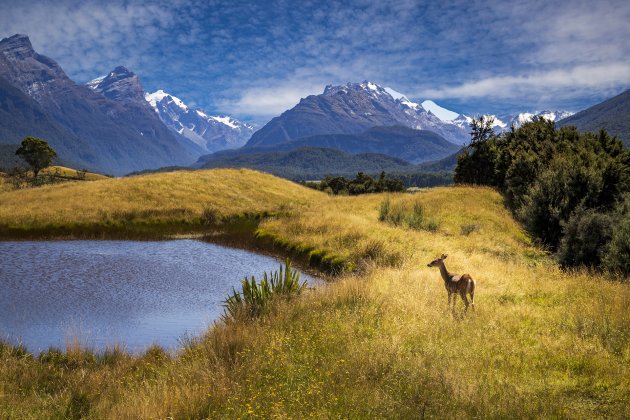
130,293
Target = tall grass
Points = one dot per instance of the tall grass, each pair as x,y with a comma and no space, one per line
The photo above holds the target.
402,213
254,299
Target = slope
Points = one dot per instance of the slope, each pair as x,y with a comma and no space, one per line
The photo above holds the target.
308,163
612,115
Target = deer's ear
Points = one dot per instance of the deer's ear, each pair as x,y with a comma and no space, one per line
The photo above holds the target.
444,256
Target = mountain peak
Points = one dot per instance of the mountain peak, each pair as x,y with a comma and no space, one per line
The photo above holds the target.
157,96
366,86
211,133
120,85
17,46
121,71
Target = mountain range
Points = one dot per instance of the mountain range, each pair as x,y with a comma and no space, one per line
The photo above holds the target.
109,125
209,133
113,126
114,134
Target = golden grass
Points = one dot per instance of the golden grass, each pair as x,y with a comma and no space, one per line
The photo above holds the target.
70,173
377,343
174,195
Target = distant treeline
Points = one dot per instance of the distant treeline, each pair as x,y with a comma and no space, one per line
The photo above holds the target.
361,184
571,191
423,179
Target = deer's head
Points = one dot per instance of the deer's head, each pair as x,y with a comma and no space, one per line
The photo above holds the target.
436,262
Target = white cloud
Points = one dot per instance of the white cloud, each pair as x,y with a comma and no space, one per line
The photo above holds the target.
264,102
565,82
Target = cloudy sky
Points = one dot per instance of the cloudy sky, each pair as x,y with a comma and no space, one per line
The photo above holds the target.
254,59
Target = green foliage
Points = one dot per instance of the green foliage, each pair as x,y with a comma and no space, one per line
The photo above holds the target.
481,129
37,153
617,255
584,238
476,165
545,174
255,298
362,184
384,210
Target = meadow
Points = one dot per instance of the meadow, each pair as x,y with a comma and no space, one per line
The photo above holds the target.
376,341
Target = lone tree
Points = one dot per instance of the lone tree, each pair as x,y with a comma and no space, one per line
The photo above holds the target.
37,153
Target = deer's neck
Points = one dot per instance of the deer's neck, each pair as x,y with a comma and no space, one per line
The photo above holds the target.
444,272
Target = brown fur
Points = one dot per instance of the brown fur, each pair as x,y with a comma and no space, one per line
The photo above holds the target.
462,284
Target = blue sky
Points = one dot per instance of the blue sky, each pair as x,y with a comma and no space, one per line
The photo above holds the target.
254,59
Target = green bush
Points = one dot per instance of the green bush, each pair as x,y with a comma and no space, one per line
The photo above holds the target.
585,237
617,255
361,184
255,298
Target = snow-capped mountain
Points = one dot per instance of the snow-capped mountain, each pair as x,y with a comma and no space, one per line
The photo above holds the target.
500,124
523,117
350,109
86,128
210,133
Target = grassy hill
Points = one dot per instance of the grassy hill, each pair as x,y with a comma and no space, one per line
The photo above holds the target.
378,341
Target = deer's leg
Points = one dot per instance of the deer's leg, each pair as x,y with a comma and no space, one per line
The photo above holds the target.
465,299
449,298
472,294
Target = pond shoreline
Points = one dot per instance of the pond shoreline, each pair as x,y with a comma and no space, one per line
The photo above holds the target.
241,231
91,292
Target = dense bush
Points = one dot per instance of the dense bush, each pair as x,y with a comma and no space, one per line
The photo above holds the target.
561,184
585,238
617,255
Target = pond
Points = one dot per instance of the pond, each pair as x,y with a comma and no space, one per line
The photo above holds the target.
127,293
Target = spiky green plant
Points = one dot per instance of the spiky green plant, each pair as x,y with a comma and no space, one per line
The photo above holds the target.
255,298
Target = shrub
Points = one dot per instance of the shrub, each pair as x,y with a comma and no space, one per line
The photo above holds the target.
585,237
467,229
255,298
617,256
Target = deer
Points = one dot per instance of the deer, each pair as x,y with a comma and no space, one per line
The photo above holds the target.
454,283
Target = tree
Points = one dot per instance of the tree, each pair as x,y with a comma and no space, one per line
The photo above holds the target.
476,165
37,153
481,129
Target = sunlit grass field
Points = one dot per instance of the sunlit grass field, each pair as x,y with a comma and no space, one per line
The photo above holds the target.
56,173
377,341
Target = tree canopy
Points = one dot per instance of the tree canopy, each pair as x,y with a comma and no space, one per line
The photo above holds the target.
37,153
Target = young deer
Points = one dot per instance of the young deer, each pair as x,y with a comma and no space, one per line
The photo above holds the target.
455,283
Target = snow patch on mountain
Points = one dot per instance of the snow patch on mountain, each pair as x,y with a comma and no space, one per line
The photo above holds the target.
160,95
211,133
440,112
